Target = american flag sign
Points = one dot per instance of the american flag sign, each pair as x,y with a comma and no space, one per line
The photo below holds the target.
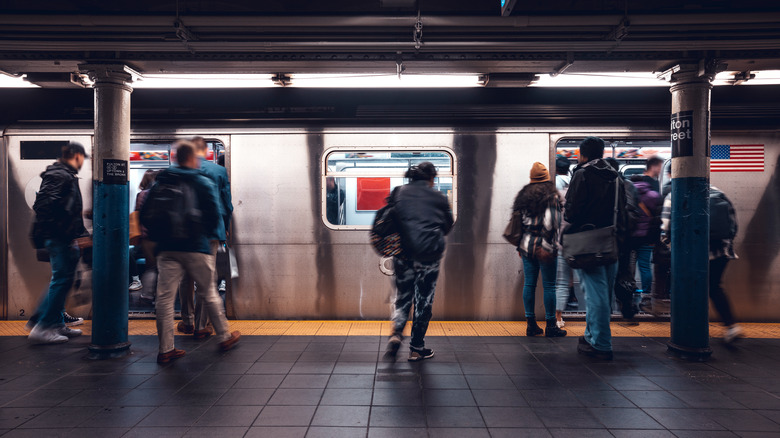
737,158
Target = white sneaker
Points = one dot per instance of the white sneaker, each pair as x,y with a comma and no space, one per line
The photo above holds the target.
560,323
40,335
136,284
222,287
733,332
69,332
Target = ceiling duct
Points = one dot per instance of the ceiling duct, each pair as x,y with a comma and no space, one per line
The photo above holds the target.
509,80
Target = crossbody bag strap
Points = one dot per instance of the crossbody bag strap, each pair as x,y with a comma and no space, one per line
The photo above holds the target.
617,187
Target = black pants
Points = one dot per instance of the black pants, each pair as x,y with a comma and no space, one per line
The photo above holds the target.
415,282
717,295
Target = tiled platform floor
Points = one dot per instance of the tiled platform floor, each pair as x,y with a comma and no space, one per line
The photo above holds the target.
338,386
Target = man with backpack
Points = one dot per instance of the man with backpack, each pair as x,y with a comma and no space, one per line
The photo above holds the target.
723,230
182,214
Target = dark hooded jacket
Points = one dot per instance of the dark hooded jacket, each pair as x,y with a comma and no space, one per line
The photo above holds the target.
58,205
425,218
590,199
648,226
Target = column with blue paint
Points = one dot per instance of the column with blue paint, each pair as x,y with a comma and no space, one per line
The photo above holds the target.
110,299
690,223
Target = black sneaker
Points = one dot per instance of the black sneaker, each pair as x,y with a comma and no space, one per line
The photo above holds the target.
71,321
416,355
584,347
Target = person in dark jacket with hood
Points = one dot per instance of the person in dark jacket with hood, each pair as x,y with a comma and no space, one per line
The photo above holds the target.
590,203
58,227
647,231
193,255
424,218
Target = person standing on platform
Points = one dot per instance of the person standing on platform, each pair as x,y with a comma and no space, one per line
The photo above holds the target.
590,203
182,214
654,165
424,217
564,279
193,318
647,232
59,228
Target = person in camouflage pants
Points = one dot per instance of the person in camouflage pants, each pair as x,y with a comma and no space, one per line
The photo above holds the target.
416,282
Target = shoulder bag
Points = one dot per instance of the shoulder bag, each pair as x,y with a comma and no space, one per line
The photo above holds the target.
593,247
385,233
514,229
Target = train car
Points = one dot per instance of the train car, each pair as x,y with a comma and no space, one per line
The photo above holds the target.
308,174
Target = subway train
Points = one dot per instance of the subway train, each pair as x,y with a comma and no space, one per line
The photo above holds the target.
309,168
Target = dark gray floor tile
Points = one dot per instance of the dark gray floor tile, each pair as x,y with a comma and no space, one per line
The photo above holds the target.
7,396
396,416
448,397
60,417
551,398
296,397
624,418
276,432
448,416
280,356
157,432
336,432
166,381
458,432
355,368
567,418
631,383
245,397
271,368
319,356
499,397
676,383
743,420
444,381
755,399
258,381
580,433
512,417
284,416
492,368
706,399
118,416
489,381
397,397
212,381
475,357
221,416
359,356
202,396
239,368
42,398
347,416
771,414
641,433
95,397
220,432
603,399
325,367
429,367
533,382
654,399
305,381
684,419
101,432
704,434
499,432
13,417
396,432
173,416
347,397
365,381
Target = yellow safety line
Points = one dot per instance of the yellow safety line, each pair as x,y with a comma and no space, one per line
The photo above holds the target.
436,328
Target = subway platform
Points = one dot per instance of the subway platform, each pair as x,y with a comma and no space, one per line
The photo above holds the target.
328,379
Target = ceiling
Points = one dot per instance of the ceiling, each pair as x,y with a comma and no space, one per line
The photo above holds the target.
469,36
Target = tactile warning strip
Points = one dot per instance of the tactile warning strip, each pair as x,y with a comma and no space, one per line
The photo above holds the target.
436,328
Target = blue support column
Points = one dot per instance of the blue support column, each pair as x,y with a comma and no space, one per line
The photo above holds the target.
690,136
110,210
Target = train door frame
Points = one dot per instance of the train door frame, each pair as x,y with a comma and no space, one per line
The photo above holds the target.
3,227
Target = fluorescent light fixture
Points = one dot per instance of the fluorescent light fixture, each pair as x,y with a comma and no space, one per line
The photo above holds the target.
648,79
15,82
384,81
761,77
204,81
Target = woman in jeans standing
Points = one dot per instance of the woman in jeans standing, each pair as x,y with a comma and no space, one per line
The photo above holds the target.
540,206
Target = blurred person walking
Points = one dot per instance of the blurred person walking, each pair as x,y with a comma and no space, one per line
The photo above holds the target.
564,279
539,204
149,280
182,214
424,218
59,228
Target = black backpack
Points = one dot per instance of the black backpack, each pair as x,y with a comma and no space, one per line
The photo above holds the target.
722,223
171,211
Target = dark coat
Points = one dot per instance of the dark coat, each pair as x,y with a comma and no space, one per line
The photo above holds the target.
58,205
590,199
206,192
425,218
648,227
219,175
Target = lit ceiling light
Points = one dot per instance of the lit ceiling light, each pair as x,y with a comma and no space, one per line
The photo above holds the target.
384,81
204,81
15,82
600,80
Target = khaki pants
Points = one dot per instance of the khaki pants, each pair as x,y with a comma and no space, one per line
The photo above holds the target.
172,266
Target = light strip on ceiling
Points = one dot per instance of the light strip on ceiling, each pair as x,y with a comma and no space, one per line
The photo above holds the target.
15,82
204,81
384,81
600,80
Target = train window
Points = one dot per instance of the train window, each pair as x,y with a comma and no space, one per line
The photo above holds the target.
632,154
41,150
356,182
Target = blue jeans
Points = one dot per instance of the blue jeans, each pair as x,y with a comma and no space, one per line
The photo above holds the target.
643,255
598,284
563,283
531,268
63,257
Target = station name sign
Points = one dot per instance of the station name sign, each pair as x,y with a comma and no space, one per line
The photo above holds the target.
681,129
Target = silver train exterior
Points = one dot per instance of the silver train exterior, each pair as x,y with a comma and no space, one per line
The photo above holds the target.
294,265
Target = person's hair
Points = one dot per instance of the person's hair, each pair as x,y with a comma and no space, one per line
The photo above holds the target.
654,161
637,178
71,149
148,179
199,143
534,198
592,148
424,171
612,162
562,165
184,152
